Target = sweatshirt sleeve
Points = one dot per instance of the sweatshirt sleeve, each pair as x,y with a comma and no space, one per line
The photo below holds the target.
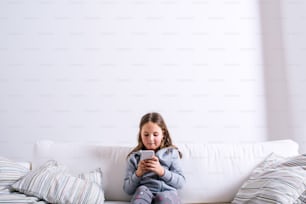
131,181
174,175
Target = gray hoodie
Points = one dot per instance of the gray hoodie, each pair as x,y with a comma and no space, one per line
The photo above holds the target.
172,179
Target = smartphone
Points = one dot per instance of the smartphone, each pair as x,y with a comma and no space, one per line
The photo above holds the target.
146,154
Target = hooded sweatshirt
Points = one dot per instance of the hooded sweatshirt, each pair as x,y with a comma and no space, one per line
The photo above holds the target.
172,179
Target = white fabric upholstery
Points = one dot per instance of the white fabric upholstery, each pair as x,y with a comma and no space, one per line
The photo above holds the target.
214,172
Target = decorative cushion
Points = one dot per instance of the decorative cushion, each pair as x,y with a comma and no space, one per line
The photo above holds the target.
18,198
272,183
302,197
95,176
297,161
52,183
10,172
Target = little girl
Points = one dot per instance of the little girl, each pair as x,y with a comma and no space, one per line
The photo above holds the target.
154,180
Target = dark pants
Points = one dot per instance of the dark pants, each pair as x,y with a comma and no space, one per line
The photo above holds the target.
144,196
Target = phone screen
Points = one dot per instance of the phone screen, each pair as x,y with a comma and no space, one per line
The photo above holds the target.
146,154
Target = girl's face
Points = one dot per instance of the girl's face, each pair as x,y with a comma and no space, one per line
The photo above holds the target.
151,136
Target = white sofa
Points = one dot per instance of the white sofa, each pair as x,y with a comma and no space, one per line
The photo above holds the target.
214,172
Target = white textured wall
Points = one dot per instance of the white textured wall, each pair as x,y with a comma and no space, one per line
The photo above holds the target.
294,29
88,70
284,45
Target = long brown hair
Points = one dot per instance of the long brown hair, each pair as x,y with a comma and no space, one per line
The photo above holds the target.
156,118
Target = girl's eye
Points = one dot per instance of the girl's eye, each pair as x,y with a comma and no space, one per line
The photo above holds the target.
155,134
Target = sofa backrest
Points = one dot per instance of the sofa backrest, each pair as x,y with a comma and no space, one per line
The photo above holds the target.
214,172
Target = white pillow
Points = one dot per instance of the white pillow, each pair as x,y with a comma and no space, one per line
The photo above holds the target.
52,183
95,176
10,172
271,183
297,161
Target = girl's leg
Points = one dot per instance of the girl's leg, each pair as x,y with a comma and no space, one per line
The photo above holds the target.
142,196
167,197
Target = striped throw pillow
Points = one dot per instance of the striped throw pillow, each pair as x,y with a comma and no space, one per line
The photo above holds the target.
52,183
10,172
297,161
95,176
275,184
302,197
18,198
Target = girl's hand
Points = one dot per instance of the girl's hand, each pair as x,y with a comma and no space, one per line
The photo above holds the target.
153,165
141,168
